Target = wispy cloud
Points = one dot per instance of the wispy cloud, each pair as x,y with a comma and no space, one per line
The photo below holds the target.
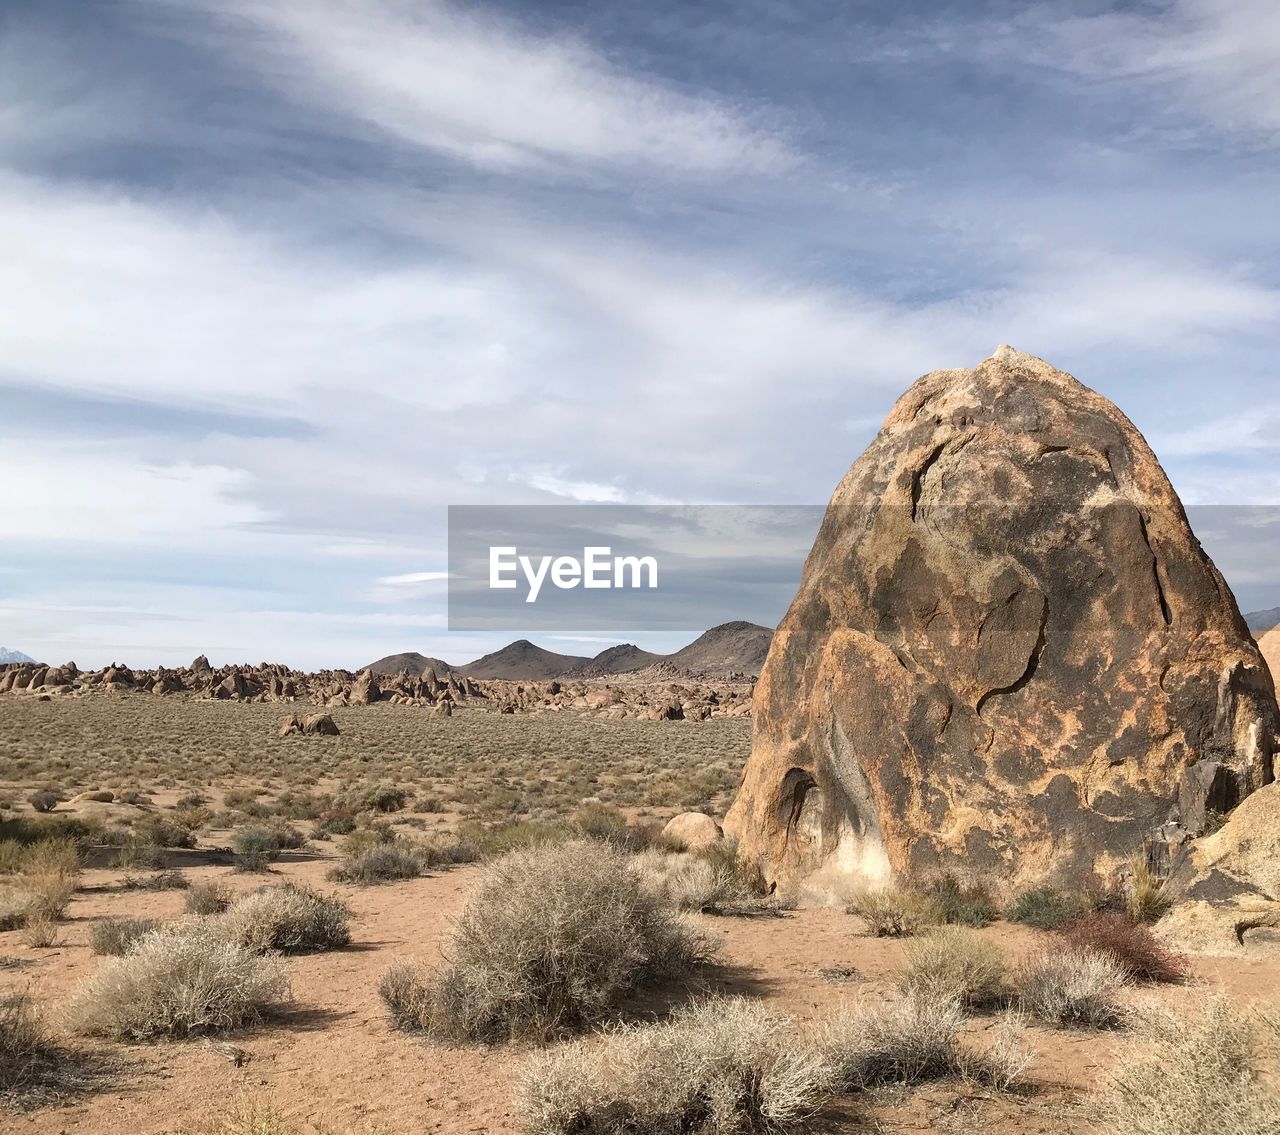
464,82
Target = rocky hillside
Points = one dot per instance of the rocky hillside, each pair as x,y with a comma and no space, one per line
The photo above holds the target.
410,663
523,661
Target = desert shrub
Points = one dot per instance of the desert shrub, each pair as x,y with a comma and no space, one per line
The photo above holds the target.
723,1066
370,835
333,823
133,796
191,800
193,819
45,799
185,978
375,798
256,847
114,936
383,863
1134,948
893,912
207,898
1147,900
955,963
1197,1076
171,880
162,831
914,1040
303,805
1043,908
288,838
1070,987
489,841
962,904
290,919
245,801
554,938
50,857
26,1048
39,929
689,882
609,823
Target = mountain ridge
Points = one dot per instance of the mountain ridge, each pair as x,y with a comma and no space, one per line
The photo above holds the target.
736,647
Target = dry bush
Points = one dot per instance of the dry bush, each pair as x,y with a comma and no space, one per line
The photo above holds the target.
955,963
39,929
553,939
1044,908
374,798
1072,987
45,799
914,1040
207,898
1147,901
115,936
187,977
383,863
962,904
893,912
721,1067
291,919
1135,949
1197,1076
687,881
25,1046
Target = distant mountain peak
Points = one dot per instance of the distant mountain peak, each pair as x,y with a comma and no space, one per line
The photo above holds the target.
7,656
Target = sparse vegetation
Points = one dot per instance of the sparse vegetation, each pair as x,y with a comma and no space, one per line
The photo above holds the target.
207,898
1071,988
114,936
917,1039
288,918
1147,901
720,1066
383,863
956,964
1134,948
1043,908
895,912
1198,1075
182,979
553,938
962,904
704,883
256,848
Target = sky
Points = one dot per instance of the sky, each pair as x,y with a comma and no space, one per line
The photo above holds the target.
281,280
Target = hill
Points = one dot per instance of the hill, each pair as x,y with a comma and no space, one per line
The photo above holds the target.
523,661
731,648
1260,621
623,659
7,655
412,663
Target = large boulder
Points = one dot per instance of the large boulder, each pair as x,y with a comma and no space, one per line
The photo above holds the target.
1006,649
1226,888
693,831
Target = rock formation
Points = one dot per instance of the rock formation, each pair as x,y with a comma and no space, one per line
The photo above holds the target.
1006,649
1226,888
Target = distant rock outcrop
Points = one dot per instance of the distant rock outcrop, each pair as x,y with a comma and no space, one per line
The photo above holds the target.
1006,650
731,648
414,664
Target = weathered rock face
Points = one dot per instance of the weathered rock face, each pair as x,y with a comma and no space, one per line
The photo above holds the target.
1006,648
1226,888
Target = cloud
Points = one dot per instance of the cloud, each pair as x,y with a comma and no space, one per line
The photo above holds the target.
463,82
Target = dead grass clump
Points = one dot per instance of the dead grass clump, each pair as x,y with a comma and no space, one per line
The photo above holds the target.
894,912
290,919
721,1067
185,978
1072,988
114,937
955,963
39,930
691,882
1147,900
28,1054
383,863
1197,1076
1134,948
553,939
207,898
915,1040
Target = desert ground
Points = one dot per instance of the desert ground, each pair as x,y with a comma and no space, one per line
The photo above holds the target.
330,1058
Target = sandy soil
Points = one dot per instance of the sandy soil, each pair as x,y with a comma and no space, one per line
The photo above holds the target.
333,1063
